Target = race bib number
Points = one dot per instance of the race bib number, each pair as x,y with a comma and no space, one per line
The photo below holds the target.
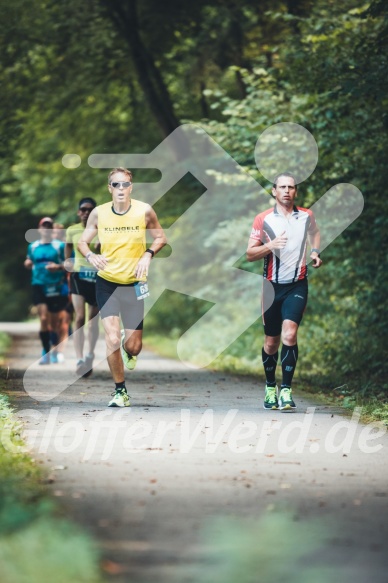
141,289
50,291
88,274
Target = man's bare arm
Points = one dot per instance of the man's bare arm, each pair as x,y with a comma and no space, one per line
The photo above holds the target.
159,240
258,250
315,242
68,250
91,230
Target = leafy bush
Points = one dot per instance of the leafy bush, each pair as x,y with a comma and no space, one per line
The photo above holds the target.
36,543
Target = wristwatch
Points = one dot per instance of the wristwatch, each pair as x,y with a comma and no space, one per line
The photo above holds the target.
315,251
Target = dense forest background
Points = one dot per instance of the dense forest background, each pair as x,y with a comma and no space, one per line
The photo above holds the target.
120,75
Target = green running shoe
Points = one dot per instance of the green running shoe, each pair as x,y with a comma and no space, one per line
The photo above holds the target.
271,398
129,360
120,399
285,400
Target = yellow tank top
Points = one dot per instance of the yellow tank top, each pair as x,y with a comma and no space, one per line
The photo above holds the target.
123,240
73,235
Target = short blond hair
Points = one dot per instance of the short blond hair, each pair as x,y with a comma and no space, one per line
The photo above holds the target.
122,170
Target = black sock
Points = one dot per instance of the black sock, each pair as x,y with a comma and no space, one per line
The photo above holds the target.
289,358
269,362
45,340
54,338
121,386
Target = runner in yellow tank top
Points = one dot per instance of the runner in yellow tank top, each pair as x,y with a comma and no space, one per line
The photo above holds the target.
123,267
123,241
83,290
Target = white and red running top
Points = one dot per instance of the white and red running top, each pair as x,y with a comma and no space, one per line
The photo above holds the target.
285,265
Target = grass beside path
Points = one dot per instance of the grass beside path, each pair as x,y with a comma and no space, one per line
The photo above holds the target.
5,343
372,400
36,543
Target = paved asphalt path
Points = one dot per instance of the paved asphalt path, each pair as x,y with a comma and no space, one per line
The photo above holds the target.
195,446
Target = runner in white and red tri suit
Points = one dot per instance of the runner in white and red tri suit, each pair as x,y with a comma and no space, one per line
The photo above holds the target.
279,236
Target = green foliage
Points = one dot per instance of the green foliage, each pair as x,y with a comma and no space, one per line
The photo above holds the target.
341,47
36,544
248,550
15,280
5,342
48,550
71,84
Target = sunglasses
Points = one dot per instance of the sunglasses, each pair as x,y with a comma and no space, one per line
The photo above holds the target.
120,184
86,209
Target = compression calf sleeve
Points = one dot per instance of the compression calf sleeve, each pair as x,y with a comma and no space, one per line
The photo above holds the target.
289,358
45,340
269,362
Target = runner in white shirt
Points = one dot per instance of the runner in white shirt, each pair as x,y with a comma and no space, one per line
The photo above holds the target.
279,236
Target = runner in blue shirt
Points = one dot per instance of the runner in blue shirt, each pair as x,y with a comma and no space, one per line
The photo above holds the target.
49,293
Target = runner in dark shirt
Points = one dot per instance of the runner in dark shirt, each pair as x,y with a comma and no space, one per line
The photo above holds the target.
83,289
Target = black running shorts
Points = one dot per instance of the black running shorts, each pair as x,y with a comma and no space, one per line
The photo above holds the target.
54,304
81,287
116,299
289,304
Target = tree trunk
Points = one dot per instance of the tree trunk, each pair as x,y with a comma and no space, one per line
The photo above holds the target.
125,17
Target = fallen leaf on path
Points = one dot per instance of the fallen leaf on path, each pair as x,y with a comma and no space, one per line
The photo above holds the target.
49,480
112,568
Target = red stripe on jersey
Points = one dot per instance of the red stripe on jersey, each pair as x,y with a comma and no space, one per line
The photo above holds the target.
270,264
288,264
